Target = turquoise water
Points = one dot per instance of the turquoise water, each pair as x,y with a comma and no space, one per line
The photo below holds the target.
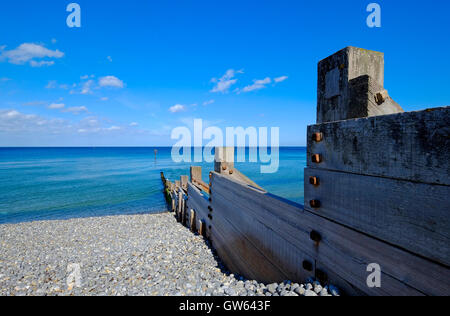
61,183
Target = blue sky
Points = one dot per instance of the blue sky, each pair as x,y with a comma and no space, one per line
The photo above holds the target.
136,69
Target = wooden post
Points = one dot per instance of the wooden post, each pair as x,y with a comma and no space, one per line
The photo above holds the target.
184,181
174,209
192,221
183,211
196,179
201,228
224,159
196,173
180,203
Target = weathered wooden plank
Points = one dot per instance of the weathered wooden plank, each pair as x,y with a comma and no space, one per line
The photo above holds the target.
201,185
414,216
239,254
198,201
274,250
412,146
344,251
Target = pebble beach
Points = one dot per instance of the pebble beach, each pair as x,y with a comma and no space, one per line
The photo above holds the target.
133,255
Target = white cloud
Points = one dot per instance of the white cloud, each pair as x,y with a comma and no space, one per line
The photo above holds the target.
257,85
208,102
53,84
38,64
34,103
111,81
10,114
4,79
85,77
76,109
109,59
14,121
104,99
224,83
56,106
177,108
134,124
54,40
87,86
29,52
280,79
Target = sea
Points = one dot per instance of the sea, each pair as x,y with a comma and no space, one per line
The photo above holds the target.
63,183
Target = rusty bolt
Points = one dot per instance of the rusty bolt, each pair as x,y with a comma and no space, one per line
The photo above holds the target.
317,137
210,175
231,171
314,203
315,236
224,167
317,158
381,96
314,180
307,265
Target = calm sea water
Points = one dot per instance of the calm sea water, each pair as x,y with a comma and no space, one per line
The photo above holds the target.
61,183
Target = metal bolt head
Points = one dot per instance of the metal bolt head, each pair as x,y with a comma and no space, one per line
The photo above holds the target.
307,265
317,158
314,203
314,180
317,137
315,236
231,171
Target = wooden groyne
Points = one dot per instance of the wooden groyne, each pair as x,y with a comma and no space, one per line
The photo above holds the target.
377,190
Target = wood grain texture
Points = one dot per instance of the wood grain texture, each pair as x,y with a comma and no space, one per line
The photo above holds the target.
198,202
414,216
280,228
411,146
273,258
